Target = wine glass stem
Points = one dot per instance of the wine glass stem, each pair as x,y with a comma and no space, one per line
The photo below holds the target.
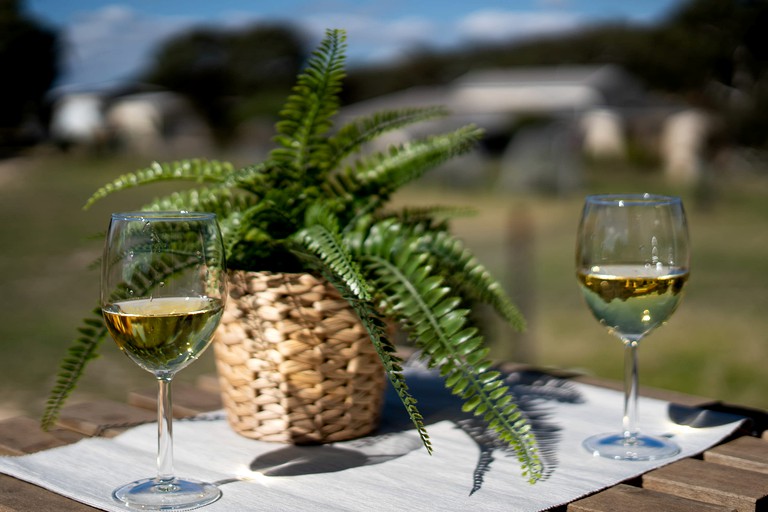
164,431
630,391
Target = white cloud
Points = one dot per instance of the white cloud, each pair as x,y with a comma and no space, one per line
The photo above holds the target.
371,38
493,25
112,43
368,29
377,39
554,3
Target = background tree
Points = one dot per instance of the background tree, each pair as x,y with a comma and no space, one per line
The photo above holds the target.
28,62
728,44
230,76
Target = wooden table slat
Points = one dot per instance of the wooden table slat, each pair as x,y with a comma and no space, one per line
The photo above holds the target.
745,452
627,497
23,434
711,483
20,496
103,418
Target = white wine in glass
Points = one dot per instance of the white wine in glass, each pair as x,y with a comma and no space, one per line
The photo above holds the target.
632,261
163,287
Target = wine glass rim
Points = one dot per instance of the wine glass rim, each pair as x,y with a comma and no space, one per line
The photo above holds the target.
609,199
163,215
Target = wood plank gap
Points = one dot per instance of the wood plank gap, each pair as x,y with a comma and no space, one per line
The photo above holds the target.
711,483
746,452
103,418
627,497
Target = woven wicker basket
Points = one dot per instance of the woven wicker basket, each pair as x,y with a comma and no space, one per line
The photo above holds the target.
295,364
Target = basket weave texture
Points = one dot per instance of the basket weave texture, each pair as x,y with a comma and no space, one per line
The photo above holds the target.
295,364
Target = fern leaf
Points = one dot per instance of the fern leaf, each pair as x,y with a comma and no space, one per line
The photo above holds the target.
194,170
229,206
381,174
418,299
470,275
354,134
80,352
429,214
219,200
323,239
308,112
405,163
252,178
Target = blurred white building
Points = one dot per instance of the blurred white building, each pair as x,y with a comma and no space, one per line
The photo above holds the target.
78,119
147,122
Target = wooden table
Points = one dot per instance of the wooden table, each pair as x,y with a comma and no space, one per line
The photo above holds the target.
732,476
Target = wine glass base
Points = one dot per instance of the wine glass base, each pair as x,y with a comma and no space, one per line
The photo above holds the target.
175,494
642,447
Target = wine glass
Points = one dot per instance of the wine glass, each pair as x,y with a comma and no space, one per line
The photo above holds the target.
632,260
163,287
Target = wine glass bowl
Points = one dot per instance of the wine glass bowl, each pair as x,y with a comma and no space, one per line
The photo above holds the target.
163,288
632,262
165,334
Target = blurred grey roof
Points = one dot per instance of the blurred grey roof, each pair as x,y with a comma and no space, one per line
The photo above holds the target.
518,90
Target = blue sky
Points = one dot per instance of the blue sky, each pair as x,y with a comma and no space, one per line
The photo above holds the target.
108,41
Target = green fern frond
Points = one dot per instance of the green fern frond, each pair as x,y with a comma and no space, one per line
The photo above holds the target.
321,236
419,299
470,275
405,163
218,200
354,134
82,350
194,170
228,205
381,174
425,219
376,329
308,112
251,178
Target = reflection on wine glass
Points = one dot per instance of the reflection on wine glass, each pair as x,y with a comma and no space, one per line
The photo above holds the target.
632,260
163,287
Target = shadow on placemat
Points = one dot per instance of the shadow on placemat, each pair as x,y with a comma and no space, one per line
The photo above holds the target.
330,458
700,418
396,437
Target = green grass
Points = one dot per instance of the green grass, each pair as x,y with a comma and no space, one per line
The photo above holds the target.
715,345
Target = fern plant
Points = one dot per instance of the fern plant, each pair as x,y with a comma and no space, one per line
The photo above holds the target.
317,204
